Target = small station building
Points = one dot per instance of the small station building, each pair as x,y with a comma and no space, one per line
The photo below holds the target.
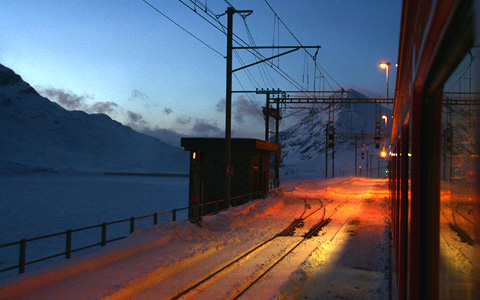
250,172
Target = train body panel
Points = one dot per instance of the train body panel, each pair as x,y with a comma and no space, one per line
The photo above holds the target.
433,166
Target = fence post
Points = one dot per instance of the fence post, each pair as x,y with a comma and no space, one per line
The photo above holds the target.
174,214
155,218
68,246
132,224
21,258
104,234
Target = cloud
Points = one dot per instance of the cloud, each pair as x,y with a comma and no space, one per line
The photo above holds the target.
245,108
241,109
167,111
203,127
221,105
72,101
134,117
103,107
67,100
136,94
184,120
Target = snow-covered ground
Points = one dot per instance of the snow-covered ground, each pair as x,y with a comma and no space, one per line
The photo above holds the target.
349,259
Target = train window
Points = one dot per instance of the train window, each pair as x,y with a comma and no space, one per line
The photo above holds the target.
459,220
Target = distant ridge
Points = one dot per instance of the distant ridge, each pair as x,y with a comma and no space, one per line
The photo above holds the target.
37,134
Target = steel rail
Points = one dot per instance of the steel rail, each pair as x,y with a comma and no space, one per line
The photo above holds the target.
313,231
232,262
464,237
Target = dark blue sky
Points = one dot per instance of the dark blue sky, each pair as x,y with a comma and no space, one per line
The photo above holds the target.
127,60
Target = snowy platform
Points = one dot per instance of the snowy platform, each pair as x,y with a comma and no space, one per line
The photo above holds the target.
348,259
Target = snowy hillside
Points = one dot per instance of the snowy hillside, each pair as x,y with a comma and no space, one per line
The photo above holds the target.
303,144
37,134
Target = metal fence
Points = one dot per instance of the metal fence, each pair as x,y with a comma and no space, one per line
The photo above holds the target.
214,207
22,262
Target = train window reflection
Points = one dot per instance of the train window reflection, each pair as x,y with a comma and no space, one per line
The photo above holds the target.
459,220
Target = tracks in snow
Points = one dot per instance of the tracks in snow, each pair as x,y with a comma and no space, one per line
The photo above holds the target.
220,277
246,269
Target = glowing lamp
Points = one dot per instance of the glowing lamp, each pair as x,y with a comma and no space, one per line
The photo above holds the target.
383,154
194,155
384,65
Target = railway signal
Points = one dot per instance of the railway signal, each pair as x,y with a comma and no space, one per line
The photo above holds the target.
331,135
383,153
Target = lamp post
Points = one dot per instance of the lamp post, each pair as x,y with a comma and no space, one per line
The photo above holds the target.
385,118
385,65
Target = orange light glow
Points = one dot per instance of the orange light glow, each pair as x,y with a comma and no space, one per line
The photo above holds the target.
194,155
384,65
383,154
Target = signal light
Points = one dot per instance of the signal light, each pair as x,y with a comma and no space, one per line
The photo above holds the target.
194,155
383,154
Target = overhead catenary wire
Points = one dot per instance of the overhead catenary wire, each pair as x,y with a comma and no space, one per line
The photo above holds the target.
298,41
181,27
261,67
239,41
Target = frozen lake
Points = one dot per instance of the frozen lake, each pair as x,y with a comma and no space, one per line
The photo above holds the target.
39,204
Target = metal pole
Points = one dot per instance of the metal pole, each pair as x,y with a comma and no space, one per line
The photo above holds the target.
267,117
327,128
371,169
355,156
368,173
333,157
277,154
228,108
387,79
378,166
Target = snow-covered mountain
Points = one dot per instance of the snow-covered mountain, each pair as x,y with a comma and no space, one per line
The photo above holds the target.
37,134
303,144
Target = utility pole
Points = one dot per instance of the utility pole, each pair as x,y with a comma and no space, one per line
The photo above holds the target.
228,102
378,166
277,154
368,173
228,106
267,117
355,156
327,129
228,99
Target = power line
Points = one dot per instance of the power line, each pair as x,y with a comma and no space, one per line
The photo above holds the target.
298,41
239,41
191,34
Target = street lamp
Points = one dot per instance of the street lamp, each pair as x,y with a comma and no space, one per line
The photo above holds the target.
385,65
383,153
385,118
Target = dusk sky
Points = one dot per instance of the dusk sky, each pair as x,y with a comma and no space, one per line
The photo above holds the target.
127,60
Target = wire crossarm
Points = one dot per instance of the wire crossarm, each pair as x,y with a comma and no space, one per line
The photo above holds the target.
295,48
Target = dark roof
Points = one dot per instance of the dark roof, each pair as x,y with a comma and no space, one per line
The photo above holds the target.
218,144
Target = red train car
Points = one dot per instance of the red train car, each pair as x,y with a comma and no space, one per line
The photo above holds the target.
435,208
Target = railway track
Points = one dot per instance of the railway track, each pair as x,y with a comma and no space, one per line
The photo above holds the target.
452,224
248,268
